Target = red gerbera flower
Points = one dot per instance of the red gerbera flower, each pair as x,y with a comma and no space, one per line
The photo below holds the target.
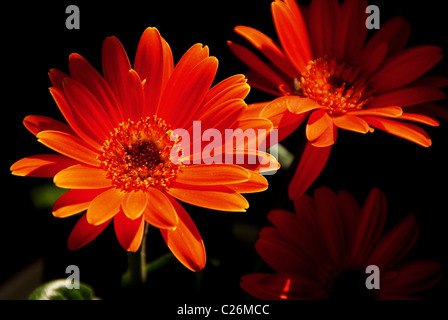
115,152
327,73
323,251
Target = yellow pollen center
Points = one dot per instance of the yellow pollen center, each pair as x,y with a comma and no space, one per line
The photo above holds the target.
337,86
137,155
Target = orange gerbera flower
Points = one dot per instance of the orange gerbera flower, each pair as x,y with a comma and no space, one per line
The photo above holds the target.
323,251
327,73
115,152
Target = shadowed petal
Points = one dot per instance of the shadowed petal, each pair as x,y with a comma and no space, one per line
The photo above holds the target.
43,165
129,231
84,232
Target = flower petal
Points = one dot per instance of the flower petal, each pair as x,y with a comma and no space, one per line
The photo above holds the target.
82,177
396,244
43,165
256,183
256,64
370,226
389,112
74,201
129,231
184,241
420,118
352,123
268,47
70,146
116,68
292,33
408,96
215,174
318,122
84,232
36,124
84,73
160,211
403,130
134,204
405,67
154,64
311,164
105,206
211,197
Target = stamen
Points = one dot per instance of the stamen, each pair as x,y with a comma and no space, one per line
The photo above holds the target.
337,86
137,155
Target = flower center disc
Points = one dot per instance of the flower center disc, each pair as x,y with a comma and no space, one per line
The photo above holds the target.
137,155
337,86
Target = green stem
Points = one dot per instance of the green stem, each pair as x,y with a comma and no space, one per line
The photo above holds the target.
137,263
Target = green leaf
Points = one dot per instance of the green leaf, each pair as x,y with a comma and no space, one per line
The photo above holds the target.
58,290
44,195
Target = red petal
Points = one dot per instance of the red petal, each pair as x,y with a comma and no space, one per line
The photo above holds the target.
322,24
396,244
181,100
256,64
87,110
185,242
293,34
405,67
311,164
116,68
36,124
74,201
154,64
84,232
160,211
369,227
84,73
268,48
43,165
407,97
129,231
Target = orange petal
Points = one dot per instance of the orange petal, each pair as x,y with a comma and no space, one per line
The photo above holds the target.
43,165
352,123
36,124
129,231
234,87
70,146
327,138
82,177
105,206
318,122
74,201
389,112
84,232
134,203
401,129
430,121
160,211
311,164
211,197
185,242
256,183
215,174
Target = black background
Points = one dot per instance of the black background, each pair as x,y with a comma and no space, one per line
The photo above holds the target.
35,39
